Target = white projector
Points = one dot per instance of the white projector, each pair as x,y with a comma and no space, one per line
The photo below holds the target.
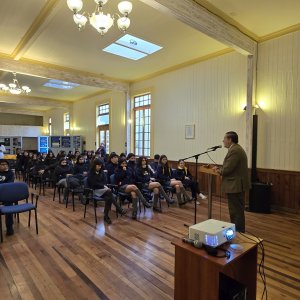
212,232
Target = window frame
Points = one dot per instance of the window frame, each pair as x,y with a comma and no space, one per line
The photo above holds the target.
136,108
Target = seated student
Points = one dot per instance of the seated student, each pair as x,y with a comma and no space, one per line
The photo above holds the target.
6,176
111,165
153,166
145,176
166,178
97,181
126,183
182,173
81,167
51,161
61,172
131,161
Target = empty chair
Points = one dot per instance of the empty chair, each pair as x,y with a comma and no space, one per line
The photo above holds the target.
10,195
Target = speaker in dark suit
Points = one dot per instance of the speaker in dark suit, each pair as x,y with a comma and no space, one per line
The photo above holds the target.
235,181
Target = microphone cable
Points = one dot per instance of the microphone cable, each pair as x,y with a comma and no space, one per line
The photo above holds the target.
261,268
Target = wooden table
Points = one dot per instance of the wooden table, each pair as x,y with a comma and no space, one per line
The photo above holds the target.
197,273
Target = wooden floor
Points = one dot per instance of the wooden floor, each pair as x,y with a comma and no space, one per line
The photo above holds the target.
71,258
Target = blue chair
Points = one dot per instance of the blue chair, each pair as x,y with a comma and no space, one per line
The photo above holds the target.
10,195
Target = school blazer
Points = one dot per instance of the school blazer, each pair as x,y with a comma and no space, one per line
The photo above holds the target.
235,171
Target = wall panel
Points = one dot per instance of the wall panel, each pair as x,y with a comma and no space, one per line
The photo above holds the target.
278,92
209,94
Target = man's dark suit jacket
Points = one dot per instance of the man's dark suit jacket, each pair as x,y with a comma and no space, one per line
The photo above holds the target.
235,170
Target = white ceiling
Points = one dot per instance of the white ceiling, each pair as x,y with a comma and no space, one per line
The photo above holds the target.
57,41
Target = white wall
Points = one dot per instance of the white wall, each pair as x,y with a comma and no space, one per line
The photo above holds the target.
20,130
209,94
278,93
57,120
84,117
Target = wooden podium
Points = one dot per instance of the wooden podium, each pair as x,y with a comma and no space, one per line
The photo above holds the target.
208,169
197,274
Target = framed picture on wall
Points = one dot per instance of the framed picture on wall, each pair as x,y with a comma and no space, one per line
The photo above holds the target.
189,131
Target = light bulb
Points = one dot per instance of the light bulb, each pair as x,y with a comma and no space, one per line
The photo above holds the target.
125,7
79,20
75,5
123,23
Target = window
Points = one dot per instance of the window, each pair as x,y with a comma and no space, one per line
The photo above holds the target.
103,125
67,124
50,126
142,124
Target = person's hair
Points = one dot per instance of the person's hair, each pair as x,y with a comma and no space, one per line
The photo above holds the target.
180,160
3,161
156,156
112,155
165,166
121,160
130,155
122,155
61,160
233,136
139,161
79,157
97,162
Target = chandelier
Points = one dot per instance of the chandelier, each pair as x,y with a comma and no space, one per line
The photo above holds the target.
98,19
14,87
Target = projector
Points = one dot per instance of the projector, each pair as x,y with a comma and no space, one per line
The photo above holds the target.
212,232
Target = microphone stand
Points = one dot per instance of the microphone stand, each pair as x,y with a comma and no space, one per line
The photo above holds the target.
196,156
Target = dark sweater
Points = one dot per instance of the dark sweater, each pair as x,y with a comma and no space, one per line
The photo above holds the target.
111,168
96,180
124,177
143,175
7,176
163,174
61,172
180,174
81,168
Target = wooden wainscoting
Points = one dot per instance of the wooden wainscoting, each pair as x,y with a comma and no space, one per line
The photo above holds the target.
285,192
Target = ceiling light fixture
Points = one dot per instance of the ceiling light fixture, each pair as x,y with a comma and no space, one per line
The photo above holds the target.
14,87
98,19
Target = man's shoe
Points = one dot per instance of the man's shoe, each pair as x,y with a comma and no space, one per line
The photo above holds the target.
182,203
9,231
107,220
157,209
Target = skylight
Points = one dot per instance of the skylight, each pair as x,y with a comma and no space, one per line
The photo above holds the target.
132,47
58,84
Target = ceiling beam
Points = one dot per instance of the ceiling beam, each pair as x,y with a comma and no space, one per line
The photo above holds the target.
199,18
41,21
29,100
40,69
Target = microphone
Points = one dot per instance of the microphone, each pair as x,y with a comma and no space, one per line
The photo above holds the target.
194,243
214,148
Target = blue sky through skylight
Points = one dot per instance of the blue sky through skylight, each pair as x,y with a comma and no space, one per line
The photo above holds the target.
58,84
132,47
124,51
135,43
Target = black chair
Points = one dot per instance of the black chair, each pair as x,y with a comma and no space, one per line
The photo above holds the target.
123,197
75,186
10,195
90,196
